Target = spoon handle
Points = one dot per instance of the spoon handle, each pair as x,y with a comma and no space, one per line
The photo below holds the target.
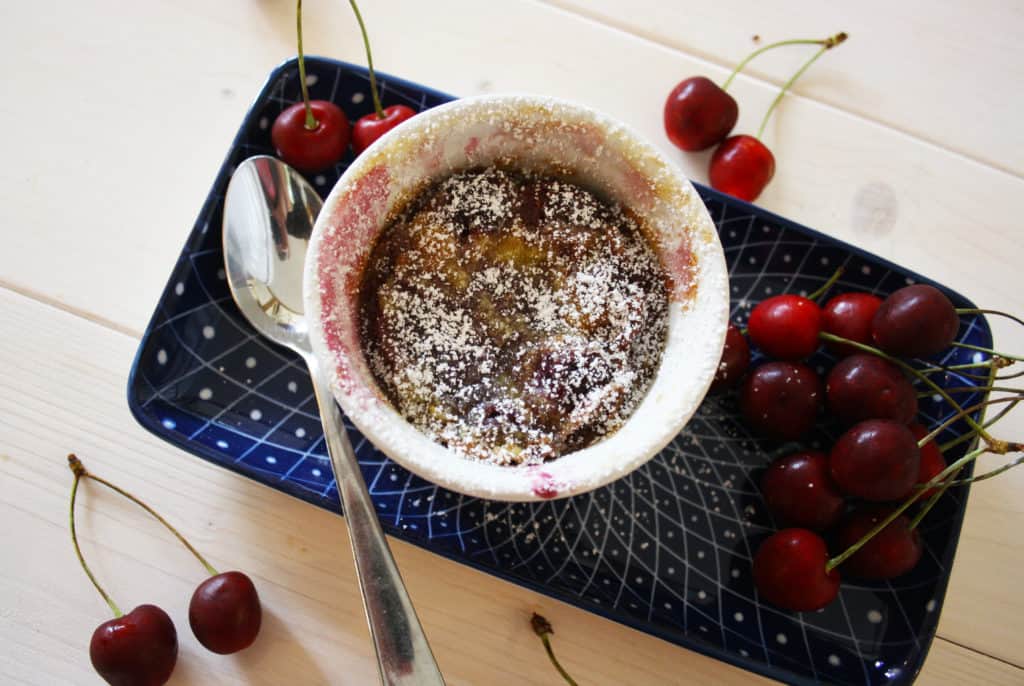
403,654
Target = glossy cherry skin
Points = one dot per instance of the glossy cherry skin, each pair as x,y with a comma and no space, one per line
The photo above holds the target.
369,128
311,150
890,553
932,461
699,114
789,571
136,649
785,327
735,360
865,386
781,400
741,166
799,491
225,613
876,460
915,321
849,316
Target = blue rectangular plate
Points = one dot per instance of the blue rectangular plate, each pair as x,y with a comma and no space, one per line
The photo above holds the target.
666,550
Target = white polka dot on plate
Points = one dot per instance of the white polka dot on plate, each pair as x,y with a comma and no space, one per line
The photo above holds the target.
271,459
256,415
221,275
250,362
866,269
205,393
834,660
311,79
782,639
169,424
358,98
300,433
702,595
315,472
930,605
222,444
738,616
874,616
824,260
179,288
209,332
161,356
744,653
319,179
292,387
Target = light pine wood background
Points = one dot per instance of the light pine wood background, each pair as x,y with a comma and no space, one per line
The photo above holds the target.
905,141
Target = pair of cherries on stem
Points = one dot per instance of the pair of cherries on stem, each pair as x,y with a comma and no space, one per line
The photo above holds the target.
314,134
141,646
699,114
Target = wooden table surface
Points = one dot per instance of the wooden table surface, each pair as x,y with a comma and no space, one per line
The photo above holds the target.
906,141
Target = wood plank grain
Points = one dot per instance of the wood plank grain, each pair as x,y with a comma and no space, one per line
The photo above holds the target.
63,390
149,133
935,71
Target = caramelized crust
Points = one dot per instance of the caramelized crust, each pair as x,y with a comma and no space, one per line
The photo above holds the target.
513,317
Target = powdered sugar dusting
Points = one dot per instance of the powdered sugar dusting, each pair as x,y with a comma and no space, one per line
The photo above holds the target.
513,316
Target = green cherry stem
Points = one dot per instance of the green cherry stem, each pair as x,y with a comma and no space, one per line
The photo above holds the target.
836,275
998,313
828,44
79,471
930,503
542,627
977,389
914,497
968,436
960,415
311,122
772,46
369,61
824,335
968,346
988,475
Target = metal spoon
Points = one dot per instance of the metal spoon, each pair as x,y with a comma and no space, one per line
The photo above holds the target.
269,212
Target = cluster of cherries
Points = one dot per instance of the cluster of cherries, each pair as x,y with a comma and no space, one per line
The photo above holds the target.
699,114
315,134
881,459
140,648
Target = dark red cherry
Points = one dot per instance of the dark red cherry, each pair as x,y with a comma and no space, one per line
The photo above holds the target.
789,571
932,461
741,166
699,114
799,491
865,386
310,150
781,400
915,321
785,327
135,649
734,362
890,553
849,316
225,613
877,460
371,127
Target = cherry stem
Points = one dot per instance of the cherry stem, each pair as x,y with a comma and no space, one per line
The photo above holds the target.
79,472
911,370
968,436
542,627
311,122
828,284
977,389
914,497
988,475
930,503
968,346
960,415
772,46
369,62
1000,313
826,45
